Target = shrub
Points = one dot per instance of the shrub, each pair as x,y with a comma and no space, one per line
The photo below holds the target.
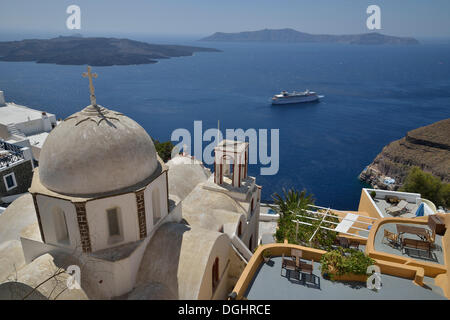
429,186
164,149
266,253
336,262
373,194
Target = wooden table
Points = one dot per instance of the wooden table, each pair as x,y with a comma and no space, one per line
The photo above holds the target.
297,255
422,233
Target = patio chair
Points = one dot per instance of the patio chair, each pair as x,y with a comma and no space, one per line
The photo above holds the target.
353,245
391,199
392,238
431,237
344,242
399,209
287,264
306,267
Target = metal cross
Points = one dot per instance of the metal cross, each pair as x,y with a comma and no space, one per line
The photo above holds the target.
91,75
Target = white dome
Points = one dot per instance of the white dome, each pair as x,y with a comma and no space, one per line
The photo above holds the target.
96,151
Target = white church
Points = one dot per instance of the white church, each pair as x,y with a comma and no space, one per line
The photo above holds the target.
137,228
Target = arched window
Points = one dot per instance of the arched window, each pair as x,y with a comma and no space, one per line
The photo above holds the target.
61,230
113,222
115,227
156,205
215,273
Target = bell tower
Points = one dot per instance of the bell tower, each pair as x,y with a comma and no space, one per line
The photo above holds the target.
230,162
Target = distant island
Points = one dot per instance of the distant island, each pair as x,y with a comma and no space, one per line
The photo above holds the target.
427,148
291,35
76,50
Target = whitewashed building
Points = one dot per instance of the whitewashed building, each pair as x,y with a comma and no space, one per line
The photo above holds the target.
137,228
24,126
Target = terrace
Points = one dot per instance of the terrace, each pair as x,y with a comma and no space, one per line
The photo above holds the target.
435,256
269,284
394,204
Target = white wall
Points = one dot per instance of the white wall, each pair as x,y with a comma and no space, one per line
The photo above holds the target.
98,221
36,126
161,184
221,249
46,206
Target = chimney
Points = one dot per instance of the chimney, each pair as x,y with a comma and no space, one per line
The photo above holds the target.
2,99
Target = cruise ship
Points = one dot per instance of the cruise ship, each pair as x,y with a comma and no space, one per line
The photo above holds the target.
295,97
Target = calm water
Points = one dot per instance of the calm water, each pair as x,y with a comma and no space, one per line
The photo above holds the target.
373,95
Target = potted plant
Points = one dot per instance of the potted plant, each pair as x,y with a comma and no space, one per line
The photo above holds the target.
373,194
266,255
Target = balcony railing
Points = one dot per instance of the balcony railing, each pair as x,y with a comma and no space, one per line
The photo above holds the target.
9,154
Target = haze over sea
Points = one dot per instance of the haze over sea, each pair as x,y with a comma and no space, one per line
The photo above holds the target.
373,95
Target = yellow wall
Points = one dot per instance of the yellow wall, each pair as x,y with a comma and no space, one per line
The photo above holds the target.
366,205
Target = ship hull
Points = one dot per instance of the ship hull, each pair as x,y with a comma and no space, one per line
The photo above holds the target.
290,100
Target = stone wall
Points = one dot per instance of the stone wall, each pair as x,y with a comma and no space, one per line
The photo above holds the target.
83,226
141,214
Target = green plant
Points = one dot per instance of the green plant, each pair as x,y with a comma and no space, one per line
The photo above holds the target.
164,149
429,186
291,201
373,194
291,206
266,253
345,261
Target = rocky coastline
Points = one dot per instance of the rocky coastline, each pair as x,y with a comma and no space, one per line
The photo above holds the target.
427,148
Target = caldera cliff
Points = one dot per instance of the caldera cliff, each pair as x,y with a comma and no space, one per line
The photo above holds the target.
427,148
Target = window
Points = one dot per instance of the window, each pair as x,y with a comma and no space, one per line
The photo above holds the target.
113,222
156,205
239,229
215,274
61,230
10,181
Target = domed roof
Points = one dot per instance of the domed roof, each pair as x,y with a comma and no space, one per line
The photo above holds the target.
96,151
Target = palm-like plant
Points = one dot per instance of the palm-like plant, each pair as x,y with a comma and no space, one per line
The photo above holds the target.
291,201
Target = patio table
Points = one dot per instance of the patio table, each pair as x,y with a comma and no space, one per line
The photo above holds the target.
297,255
422,233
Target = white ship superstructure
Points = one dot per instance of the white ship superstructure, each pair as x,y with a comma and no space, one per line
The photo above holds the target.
295,97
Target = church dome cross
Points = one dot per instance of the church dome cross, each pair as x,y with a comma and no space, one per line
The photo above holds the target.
91,75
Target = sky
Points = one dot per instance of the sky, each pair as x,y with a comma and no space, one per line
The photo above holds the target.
417,18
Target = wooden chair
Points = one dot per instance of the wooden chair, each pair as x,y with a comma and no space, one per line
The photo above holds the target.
287,264
392,238
343,242
354,244
431,237
306,267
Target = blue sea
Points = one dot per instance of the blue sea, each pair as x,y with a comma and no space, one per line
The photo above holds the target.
373,95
